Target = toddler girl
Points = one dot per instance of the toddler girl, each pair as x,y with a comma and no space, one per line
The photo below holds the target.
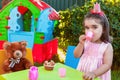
96,53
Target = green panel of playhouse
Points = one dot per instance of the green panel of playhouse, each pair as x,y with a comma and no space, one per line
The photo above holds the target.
39,38
3,31
6,11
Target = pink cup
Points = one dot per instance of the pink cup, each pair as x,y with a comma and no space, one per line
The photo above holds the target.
62,72
89,35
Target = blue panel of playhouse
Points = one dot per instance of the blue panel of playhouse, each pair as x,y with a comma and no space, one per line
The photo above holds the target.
16,22
70,59
21,36
45,25
48,37
32,23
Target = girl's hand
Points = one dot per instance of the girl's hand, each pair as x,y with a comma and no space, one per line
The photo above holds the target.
89,76
82,39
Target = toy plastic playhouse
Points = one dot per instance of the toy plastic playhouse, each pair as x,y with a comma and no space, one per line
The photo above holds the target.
31,21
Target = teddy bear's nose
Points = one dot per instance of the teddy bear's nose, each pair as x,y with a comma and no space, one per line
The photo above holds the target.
17,54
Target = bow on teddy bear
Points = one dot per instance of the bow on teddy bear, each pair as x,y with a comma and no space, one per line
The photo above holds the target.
16,60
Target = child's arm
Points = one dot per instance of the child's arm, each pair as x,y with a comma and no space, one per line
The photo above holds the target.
107,62
79,48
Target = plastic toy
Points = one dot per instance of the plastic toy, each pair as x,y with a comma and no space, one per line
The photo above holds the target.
62,72
89,35
16,57
33,73
32,21
49,65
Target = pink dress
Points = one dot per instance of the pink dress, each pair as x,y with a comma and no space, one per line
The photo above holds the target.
92,58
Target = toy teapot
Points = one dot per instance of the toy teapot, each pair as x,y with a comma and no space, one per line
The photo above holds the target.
33,73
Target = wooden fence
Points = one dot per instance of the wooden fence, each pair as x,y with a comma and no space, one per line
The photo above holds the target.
62,4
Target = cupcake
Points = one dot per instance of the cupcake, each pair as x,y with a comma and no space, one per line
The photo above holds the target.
49,65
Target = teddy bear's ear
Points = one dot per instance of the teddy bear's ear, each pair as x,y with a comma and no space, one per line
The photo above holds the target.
6,45
23,44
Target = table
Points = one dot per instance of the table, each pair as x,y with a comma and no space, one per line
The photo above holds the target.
71,74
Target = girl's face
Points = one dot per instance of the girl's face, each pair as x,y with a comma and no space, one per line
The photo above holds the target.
94,26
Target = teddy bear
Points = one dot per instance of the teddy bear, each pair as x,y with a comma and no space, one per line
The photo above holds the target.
15,52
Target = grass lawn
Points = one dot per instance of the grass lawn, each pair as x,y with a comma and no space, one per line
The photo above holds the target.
115,75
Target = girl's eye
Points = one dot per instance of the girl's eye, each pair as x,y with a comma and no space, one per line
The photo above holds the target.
94,26
86,27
